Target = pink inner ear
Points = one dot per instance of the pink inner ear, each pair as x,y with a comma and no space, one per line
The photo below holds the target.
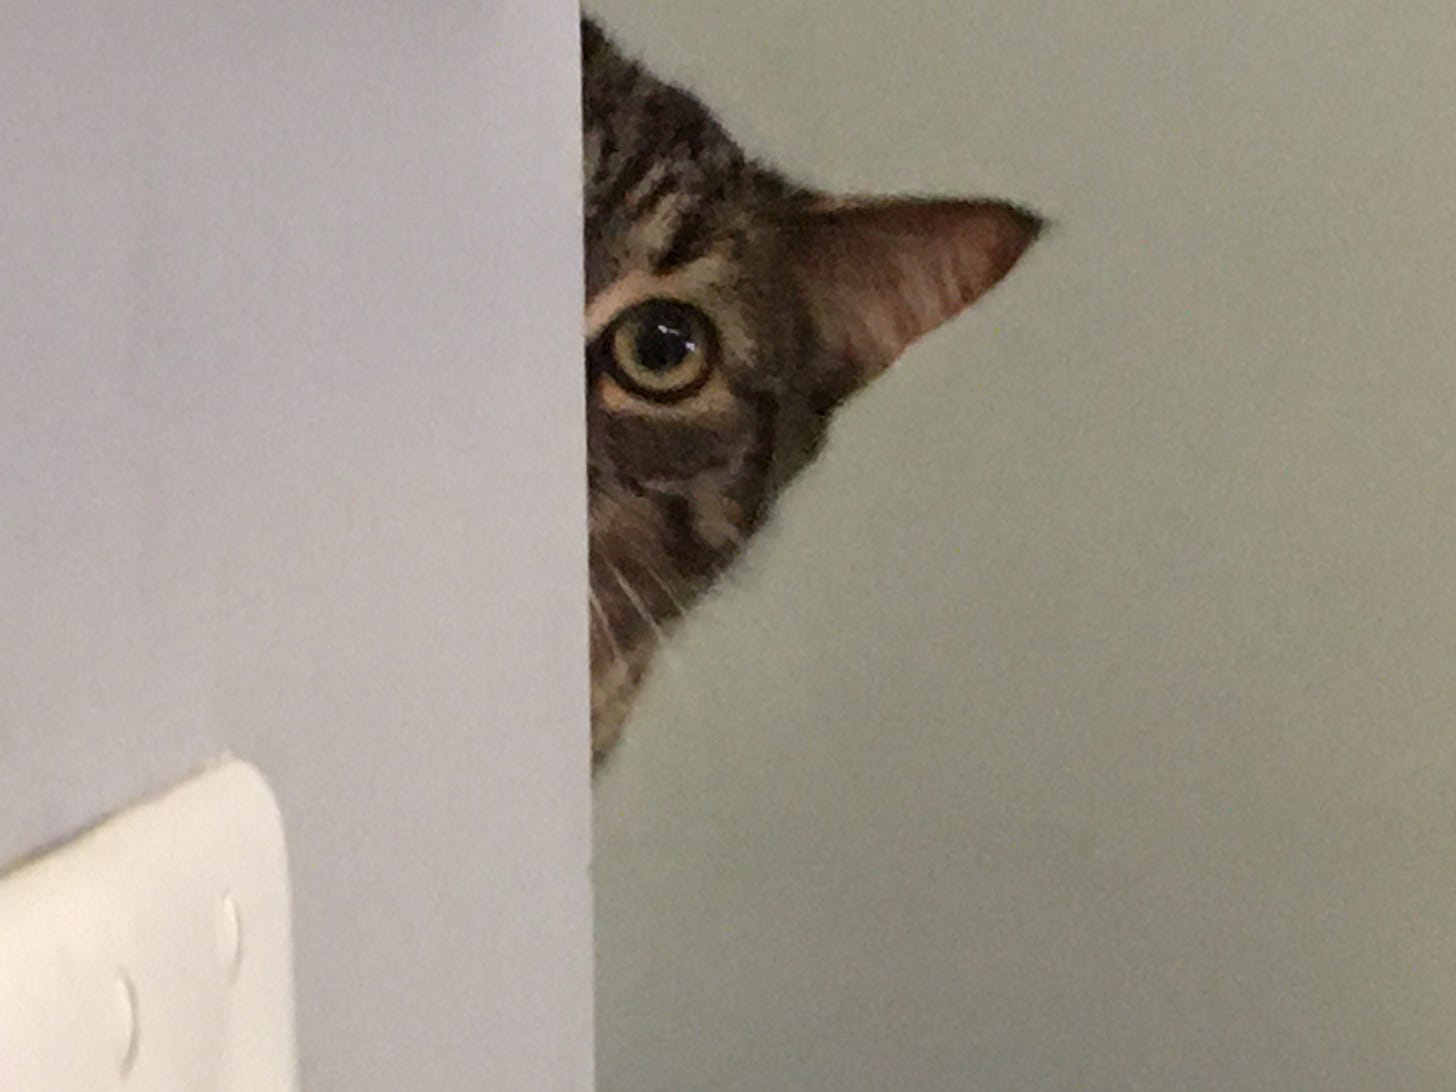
879,274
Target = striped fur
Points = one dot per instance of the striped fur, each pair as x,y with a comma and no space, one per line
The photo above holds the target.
810,297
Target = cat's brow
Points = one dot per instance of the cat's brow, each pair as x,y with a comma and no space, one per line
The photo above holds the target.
631,288
688,240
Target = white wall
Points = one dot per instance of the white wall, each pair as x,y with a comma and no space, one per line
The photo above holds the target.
1089,720
291,464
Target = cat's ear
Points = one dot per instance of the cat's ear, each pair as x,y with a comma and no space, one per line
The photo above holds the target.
877,274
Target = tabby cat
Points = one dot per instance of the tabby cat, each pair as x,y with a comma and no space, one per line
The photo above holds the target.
729,312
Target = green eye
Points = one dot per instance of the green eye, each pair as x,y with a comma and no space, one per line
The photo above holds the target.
662,349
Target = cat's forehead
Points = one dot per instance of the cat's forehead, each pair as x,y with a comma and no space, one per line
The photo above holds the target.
668,193
659,227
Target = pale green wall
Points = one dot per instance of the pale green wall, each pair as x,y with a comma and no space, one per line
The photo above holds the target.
1088,720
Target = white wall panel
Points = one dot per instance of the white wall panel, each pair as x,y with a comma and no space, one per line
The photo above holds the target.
291,464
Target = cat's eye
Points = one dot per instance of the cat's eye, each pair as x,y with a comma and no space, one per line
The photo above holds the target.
663,350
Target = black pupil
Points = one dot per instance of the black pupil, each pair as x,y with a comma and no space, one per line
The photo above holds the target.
664,342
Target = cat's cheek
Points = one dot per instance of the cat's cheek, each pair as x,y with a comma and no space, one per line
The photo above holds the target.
668,454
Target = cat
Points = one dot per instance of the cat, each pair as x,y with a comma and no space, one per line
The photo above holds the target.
729,311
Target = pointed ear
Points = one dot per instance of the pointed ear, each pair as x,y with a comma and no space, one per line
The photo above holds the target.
878,274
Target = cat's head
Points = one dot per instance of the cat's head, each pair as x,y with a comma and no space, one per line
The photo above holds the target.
729,312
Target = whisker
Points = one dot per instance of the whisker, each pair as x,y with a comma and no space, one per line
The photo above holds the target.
636,600
672,596
600,613
665,652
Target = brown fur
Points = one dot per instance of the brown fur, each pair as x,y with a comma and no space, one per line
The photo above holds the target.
808,296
